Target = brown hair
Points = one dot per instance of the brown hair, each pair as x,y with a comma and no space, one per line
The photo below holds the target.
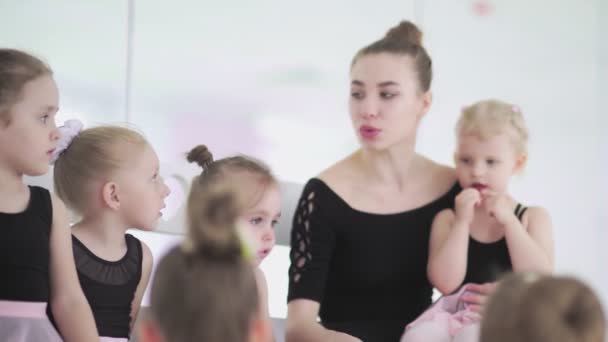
16,69
487,118
404,39
92,155
551,309
205,290
498,318
250,176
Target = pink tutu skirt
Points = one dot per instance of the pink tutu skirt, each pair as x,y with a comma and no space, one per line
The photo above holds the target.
26,322
448,319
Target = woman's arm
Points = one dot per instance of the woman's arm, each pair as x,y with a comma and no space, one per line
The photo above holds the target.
312,246
146,269
68,303
302,324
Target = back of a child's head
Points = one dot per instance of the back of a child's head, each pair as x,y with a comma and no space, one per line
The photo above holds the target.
17,68
90,158
250,177
561,309
500,314
532,308
205,289
488,118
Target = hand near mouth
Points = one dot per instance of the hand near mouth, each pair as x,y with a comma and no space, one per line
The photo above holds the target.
499,206
465,204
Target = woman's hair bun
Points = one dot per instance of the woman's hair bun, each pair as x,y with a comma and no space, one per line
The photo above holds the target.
405,31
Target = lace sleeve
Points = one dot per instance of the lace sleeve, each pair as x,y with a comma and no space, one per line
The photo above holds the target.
312,241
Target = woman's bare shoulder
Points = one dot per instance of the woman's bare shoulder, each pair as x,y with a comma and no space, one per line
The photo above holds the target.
439,177
340,173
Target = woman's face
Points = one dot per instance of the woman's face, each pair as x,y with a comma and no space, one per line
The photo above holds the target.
386,103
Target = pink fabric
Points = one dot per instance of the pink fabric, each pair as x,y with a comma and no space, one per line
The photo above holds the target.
445,319
22,309
113,339
26,322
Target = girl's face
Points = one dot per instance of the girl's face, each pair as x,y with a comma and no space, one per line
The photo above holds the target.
30,137
386,105
260,220
487,164
142,189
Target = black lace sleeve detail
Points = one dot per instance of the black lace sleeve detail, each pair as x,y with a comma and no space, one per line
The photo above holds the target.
312,242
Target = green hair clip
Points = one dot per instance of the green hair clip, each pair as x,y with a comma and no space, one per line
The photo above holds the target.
247,243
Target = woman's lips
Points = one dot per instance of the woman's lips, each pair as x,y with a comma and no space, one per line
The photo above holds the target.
369,132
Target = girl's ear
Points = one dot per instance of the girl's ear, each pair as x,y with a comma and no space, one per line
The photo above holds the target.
520,163
110,195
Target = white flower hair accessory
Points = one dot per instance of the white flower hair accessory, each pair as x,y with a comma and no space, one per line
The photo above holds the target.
69,130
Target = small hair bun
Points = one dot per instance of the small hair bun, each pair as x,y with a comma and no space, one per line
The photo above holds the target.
405,31
200,155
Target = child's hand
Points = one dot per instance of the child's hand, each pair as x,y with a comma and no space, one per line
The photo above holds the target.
465,204
477,295
501,207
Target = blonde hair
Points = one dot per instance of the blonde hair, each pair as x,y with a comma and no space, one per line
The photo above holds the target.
92,155
205,290
545,309
16,69
488,118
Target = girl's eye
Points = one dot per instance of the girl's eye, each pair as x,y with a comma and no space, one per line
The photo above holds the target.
256,221
274,223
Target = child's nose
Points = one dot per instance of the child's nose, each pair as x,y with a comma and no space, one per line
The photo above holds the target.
478,169
55,134
269,235
167,189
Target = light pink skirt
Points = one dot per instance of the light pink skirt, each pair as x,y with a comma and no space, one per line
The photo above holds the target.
448,319
26,322
113,339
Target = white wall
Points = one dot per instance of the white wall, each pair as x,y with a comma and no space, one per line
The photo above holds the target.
85,42
601,91
270,78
